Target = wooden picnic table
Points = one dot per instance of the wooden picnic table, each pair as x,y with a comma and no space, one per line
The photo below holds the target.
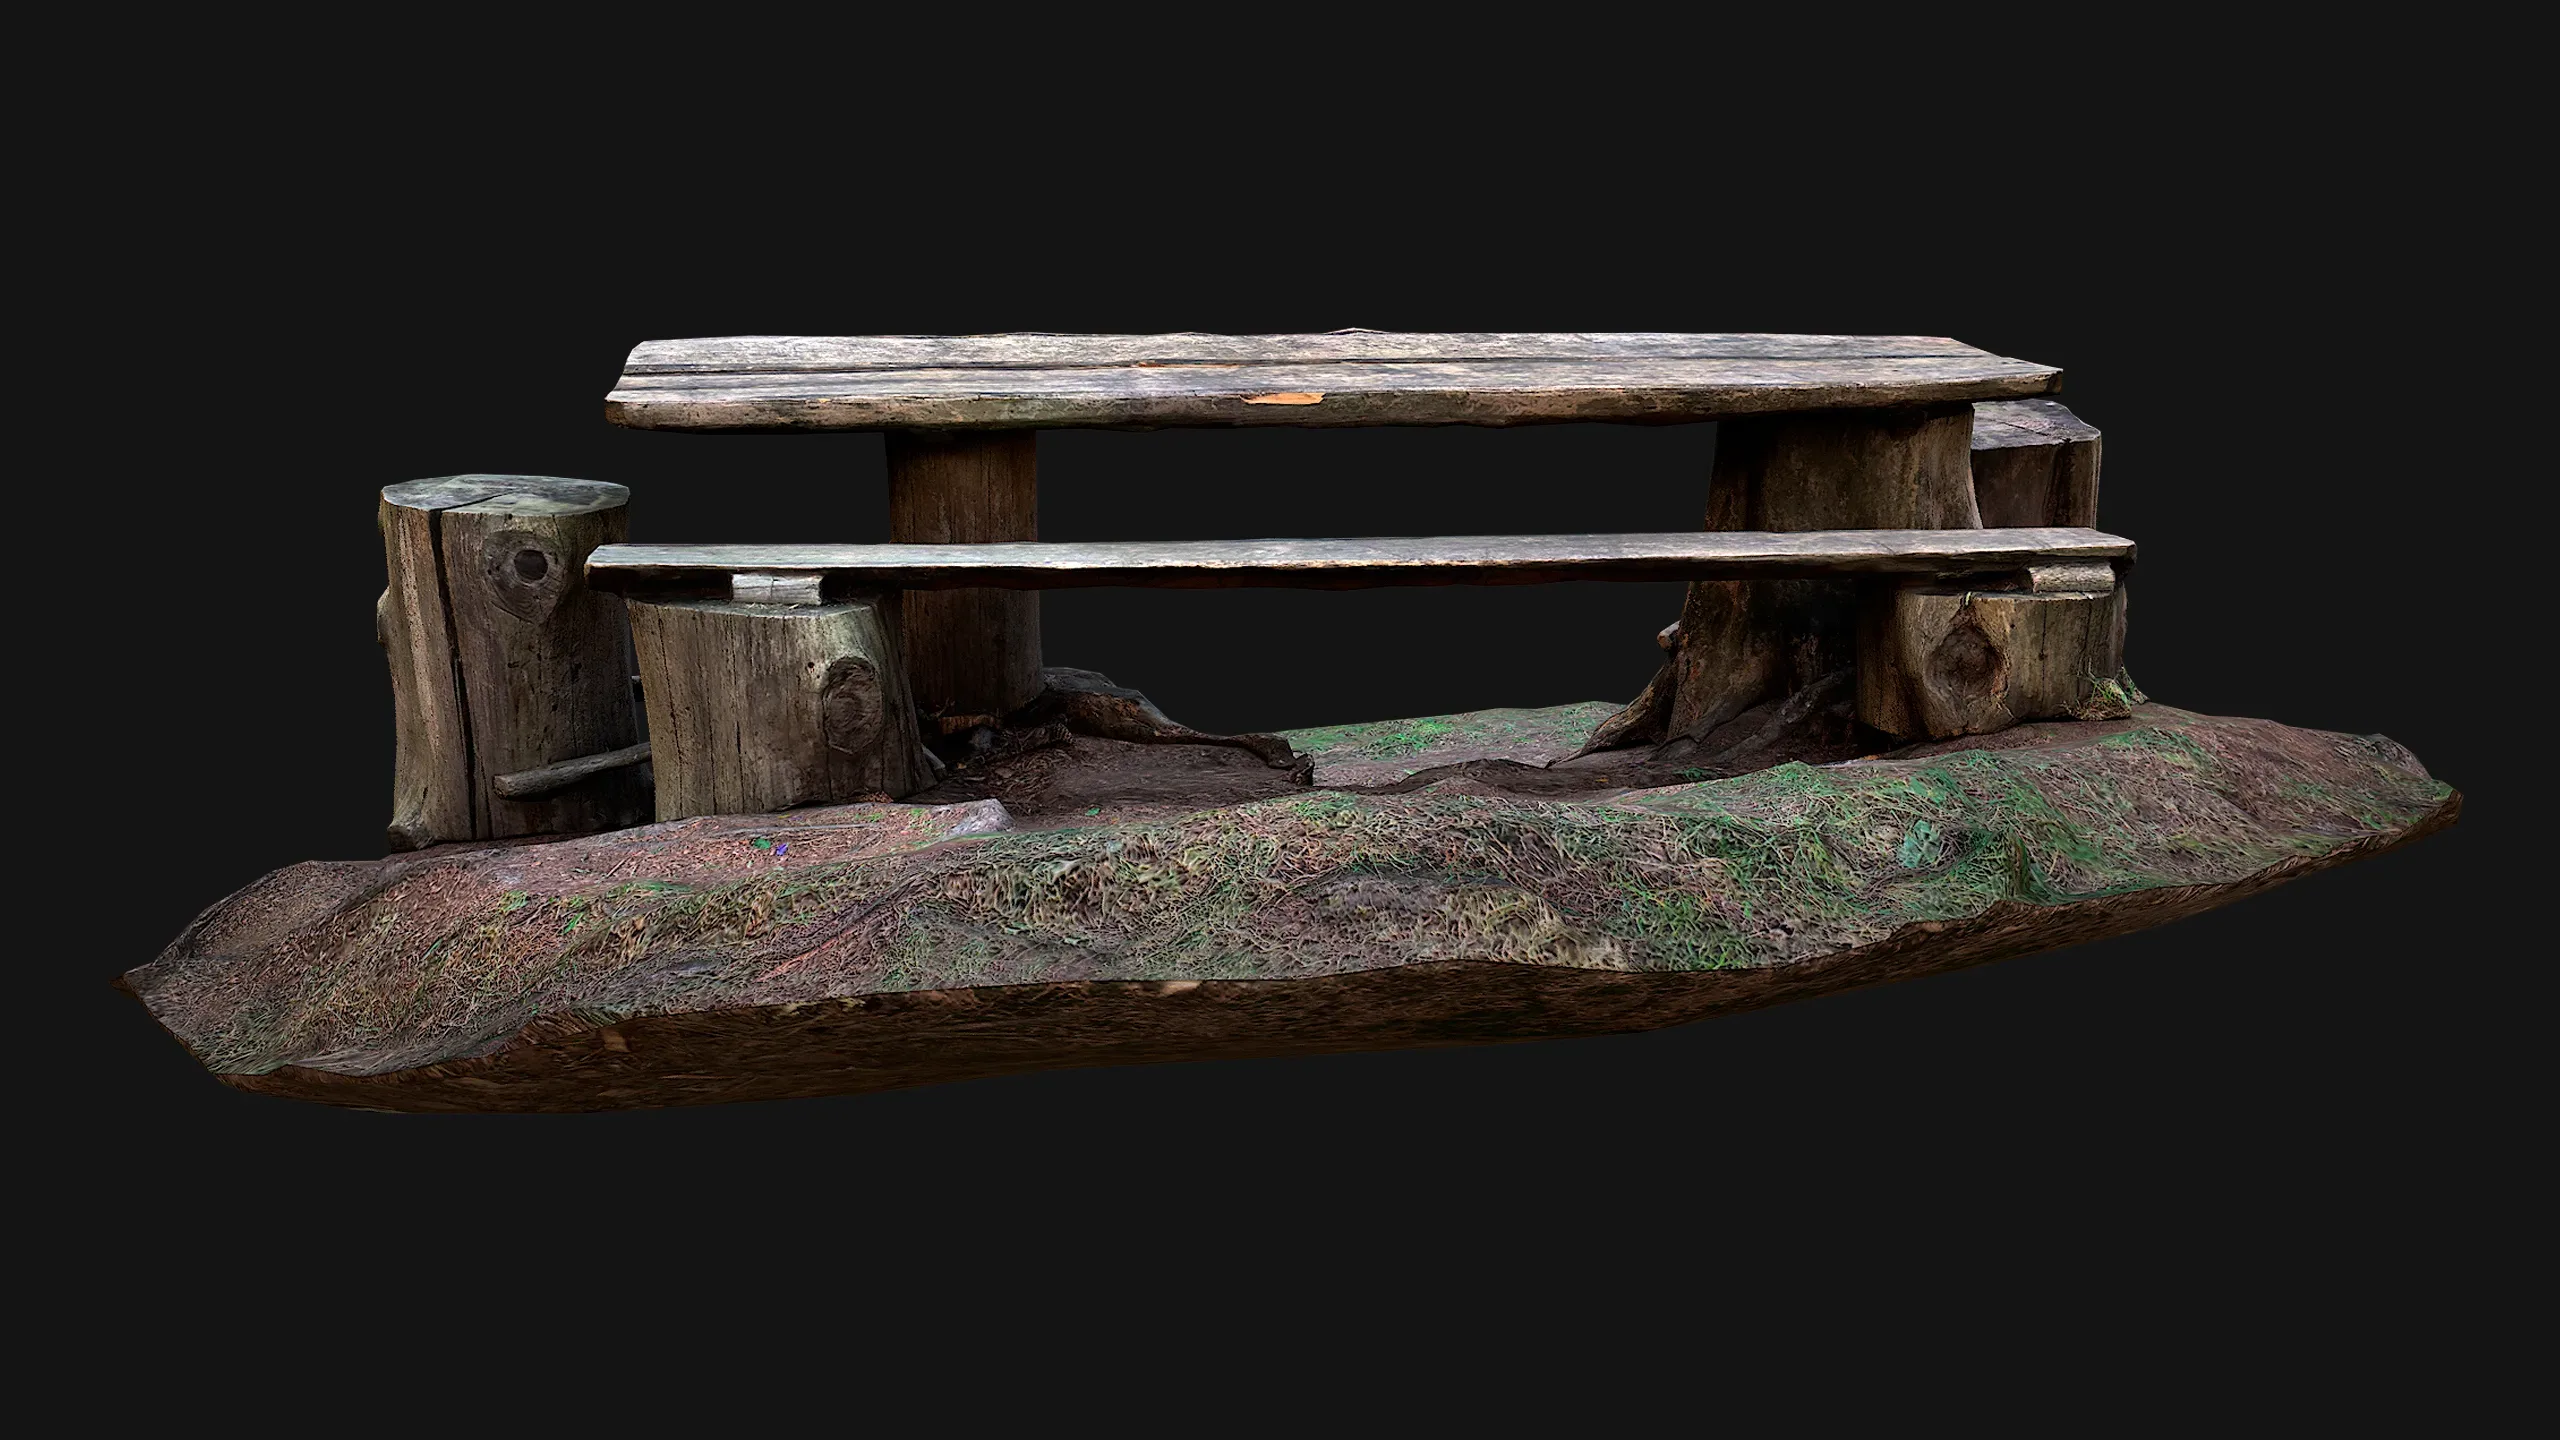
1822,432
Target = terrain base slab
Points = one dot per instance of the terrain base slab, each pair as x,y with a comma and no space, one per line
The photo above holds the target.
866,947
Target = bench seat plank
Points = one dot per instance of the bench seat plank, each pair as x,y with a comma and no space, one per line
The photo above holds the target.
1360,564
1346,378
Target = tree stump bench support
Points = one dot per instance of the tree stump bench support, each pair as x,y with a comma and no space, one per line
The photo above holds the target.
507,672
773,698
1935,661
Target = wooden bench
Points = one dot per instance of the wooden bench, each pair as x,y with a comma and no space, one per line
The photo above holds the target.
1820,436
770,670
801,574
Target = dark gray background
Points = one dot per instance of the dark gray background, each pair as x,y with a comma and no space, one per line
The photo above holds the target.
2194,1089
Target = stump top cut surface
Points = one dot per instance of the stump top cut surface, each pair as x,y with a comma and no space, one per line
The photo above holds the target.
509,494
2011,424
1345,377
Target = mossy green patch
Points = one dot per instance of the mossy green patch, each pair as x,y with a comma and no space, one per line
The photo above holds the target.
1530,736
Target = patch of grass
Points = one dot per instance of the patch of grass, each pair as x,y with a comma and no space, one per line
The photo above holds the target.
1488,729
2175,745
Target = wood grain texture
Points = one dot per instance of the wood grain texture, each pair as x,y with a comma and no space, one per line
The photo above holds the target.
1936,662
1363,563
503,661
515,494
544,659
2034,463
832,354
2078,577
969,651
2011,424
544,779
757,589
1742,642
1900,469
765,707
431,760
1347,378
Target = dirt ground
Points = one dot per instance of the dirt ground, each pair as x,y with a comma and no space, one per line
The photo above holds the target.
1444,880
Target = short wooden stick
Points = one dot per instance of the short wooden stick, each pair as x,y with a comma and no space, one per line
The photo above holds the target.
543,779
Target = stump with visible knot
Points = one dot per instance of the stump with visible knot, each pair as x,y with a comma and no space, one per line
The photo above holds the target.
1937,661
757,706
503,661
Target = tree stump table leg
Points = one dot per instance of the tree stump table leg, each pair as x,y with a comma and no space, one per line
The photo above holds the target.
1740,642
757,707
969,652
502,660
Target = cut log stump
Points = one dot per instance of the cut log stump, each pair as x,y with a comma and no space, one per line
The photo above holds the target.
2034,463
756,708
502,660
969,652
1937,661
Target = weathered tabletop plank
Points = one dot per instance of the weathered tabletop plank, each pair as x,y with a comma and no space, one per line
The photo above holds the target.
1038,350
1361,564
1360,377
